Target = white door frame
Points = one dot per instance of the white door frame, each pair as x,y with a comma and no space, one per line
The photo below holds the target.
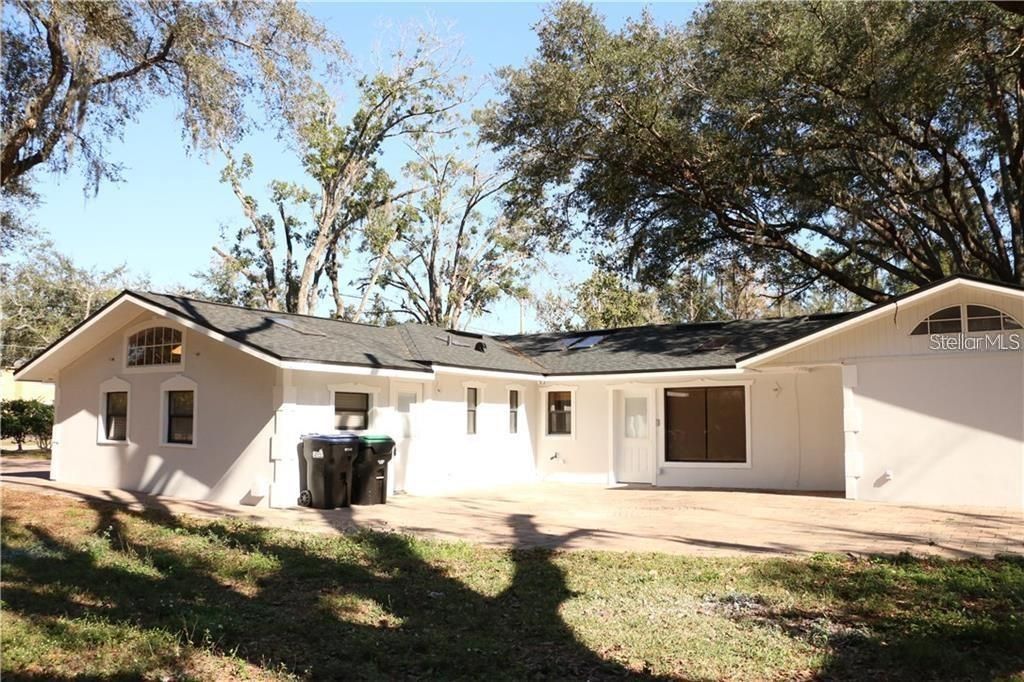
650,393
401,440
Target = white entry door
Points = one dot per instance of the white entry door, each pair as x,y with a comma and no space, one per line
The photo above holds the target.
634,451
405,398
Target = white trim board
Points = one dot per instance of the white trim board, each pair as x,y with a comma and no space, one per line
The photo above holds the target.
356,370
634,376
486,373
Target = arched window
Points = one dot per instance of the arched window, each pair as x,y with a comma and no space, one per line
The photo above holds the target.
154,346
984,319
945,321
971,318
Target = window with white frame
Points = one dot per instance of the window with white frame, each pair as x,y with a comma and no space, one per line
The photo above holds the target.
115,417
967,317
981,318
351,411
472,401
154,346
179,412
181,407
114,402
559,413
706,424
513,410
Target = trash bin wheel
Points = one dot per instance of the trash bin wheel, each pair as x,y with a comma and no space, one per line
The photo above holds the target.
305,499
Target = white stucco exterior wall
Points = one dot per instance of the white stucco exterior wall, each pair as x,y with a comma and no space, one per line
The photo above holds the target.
445,457
438,456
795,433
942,430
233,423
909,425
923,425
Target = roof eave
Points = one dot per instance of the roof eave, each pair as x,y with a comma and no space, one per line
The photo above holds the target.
876,311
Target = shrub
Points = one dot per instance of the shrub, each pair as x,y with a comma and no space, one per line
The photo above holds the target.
23,419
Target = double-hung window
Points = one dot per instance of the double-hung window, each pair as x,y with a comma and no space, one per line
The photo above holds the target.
180,417
115,418
113,412
513,410
559,413
472,400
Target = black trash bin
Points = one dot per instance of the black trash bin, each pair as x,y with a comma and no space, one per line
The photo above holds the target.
328,459
370,470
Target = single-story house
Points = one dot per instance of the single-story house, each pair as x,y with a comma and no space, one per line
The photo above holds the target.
915,401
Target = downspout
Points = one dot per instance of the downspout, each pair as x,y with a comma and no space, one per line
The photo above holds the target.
799,431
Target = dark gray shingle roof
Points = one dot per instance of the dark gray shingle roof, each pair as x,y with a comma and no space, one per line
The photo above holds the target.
416,346
704,345
459,349
296,337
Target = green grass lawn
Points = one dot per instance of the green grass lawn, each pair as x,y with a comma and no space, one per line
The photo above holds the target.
96,590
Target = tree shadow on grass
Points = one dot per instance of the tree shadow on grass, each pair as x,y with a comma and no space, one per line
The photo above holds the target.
369,608
383,606
906,617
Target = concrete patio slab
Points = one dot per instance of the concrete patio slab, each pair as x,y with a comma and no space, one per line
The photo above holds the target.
693,522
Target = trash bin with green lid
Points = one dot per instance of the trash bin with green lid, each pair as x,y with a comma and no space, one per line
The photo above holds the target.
370,469
328,458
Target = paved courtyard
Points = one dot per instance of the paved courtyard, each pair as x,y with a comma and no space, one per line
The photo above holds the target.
696,522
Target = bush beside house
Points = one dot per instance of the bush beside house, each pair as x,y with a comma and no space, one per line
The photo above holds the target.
21,420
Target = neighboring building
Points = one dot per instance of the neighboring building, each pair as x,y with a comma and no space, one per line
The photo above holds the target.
918,401
23,390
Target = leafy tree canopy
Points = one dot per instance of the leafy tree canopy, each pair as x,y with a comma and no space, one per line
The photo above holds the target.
43,294
21,419
286,255
602,301
75,73
606,300
447,253
876,146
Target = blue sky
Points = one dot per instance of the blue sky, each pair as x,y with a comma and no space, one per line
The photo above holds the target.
168,212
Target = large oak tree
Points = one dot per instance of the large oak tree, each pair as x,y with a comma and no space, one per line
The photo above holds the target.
874,146
287,255
447,253
74,73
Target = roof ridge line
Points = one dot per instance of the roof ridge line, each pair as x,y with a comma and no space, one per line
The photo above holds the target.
268,311
673,325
